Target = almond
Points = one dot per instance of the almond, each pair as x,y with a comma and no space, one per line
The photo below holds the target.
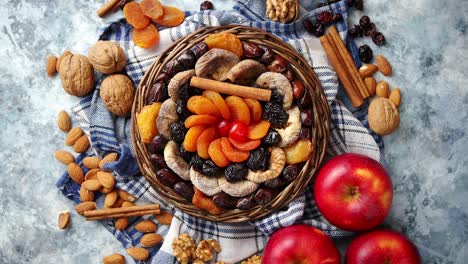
126,196
85,206
91,162
63,219
64,54
371,83
164,218
146,226
64,156
63,121
81,145
114,259
111,198
121,223
91,185
86,195
367,70
105,190
127,204
150,240
51,65
75,172
382,89
395,96
118,203
108,158
384,66
72,136
92,174
138,253
106,179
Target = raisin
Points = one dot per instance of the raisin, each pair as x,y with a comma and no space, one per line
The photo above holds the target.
304,102
158,93
365,53
246,203
308,25
305,133
187,60
182,110
183,92
370,31
356,31
268,55
185,190
186,155
265,195
199,49
157,144
210,169
325,17
158,161
359,4
306,117
224,200
276,98
290,172
167,177
258,159
275,183
235,172
251,50
206,5
279,64
378,38
275,114
272,138
178,131
197,163
364,22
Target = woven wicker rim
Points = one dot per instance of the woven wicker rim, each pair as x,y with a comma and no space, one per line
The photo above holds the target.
319,132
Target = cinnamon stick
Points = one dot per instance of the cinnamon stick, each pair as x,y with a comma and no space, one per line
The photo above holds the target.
122,210
232,89
110,6
349,63
137,213
339,66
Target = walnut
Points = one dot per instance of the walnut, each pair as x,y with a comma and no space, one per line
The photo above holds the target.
183,248
283,11
255,259
76,74
215,245
204,251
383,116
117,93
107,57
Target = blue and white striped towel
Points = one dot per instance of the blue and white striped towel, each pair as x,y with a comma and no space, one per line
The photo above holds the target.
108,133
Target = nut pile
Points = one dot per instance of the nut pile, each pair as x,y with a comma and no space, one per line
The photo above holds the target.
283,11
185,249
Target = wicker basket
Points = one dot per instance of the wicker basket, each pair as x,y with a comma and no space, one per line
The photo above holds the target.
319,133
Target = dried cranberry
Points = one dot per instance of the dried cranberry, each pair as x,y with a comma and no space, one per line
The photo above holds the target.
370,30
157,144
224,200
305,132
306,117
319,30
158,93
185,190
206,5
365,53
337,17
359,4
158,161
167,177
378,38
364,22
251,50
199,49
356,31
325,17
268,55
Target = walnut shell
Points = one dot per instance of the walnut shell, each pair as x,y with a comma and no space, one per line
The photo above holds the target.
383,117
107,57
117,93
76,74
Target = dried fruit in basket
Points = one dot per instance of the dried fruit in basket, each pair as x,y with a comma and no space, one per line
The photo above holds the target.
152,8
172,17
226,41
146,37
134,15
204,202
146,122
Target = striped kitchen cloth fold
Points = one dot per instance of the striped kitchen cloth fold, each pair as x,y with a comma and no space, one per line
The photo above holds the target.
108,133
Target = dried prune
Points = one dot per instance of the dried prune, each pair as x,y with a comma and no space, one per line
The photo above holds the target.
206,5
298,89
173,67
197,163
272,138
290,172
247,202
187,60
158,161
276,98
275,183
306,117
199,49
158,93
325,17
185,190
275,114
378,38
359,4
178,131
210,169
235,172
259,159
186,155
308,25
251,50
182,110
364,22
279,64
157,144
370,31
167,177
305,133
365,53
304,102
224,200
268,55
356,31
265,195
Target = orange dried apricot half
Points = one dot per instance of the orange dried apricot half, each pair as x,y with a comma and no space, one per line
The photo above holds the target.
219,102
231,153
134,15
204,140
191,138
195,120
172,17
201,105
146,37
217,155
146,122
255,109
238,108
258,130
152,8
226,41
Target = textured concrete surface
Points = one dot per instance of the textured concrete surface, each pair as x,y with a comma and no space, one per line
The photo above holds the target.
427,157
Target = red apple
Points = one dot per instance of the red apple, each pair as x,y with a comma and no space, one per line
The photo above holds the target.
382,246
353,192
300,244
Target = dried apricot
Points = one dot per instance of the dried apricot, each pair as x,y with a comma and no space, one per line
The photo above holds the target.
172,17
204,202
232,153
201,105
238,108
226,41
152,8
298,152
255,109
204,140
134,15
146,122
259,130
216,154
245,146
190,141
219,102
146,37
195,120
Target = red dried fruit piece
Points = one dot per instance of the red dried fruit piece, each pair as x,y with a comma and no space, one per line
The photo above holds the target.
152,8
259,130
204,140
196,120
233,154
147,37
245,146
191,138
203,202
172,17
134,15
201,105
217,155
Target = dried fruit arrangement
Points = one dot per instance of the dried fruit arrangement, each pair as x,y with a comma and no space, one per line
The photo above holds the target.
215,142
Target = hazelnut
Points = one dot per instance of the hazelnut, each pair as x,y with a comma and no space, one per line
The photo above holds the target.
76,74
107,57
383,116
117,93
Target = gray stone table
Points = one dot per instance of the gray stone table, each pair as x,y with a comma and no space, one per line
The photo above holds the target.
427,157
